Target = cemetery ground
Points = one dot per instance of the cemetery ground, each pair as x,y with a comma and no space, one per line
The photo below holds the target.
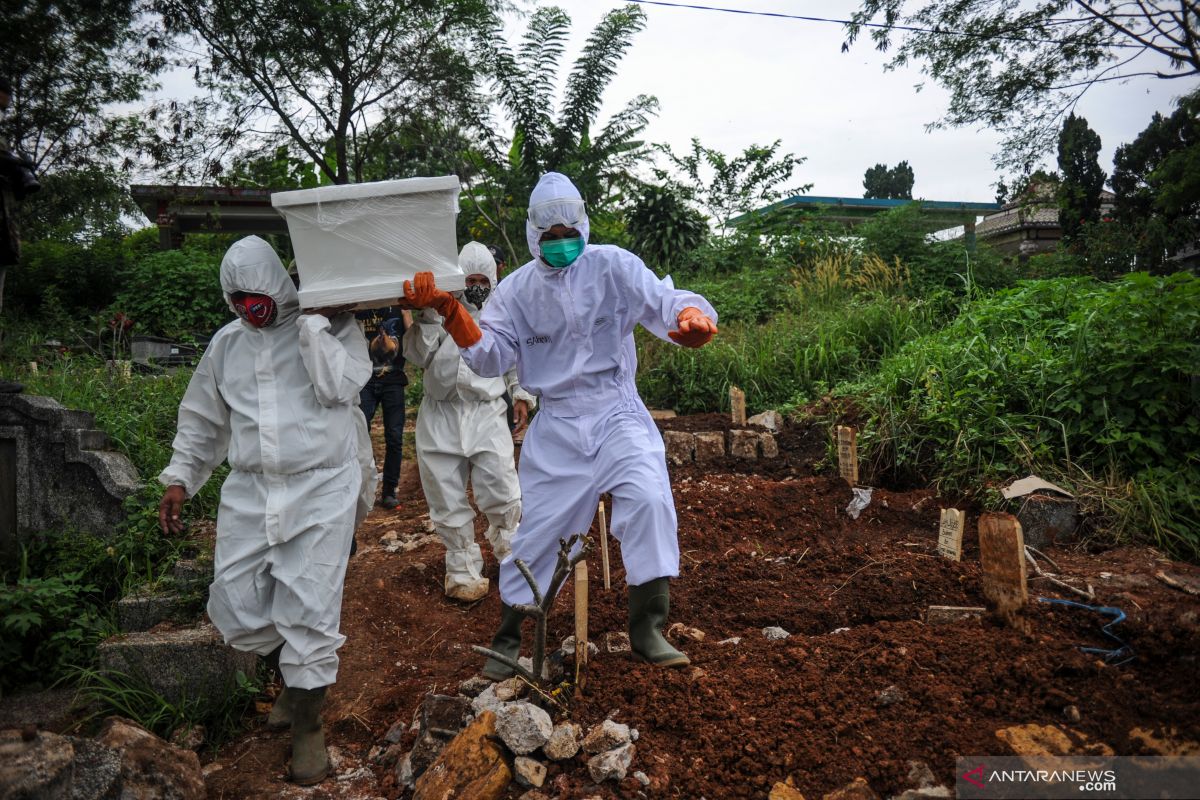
865,684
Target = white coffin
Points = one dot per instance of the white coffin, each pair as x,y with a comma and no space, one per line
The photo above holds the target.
358,243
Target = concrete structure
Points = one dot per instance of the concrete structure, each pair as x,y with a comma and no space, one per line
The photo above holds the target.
1029,226
180,210
56,471
187,663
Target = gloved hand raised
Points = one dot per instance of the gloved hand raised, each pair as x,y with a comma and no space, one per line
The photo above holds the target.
695,328
422,292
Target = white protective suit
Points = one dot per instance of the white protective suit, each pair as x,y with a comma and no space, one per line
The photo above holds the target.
462,432
281,404
569,333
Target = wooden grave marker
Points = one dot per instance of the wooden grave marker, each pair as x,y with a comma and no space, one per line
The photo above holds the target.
847,446
1002,556
737,404
581,625
602,524
950,533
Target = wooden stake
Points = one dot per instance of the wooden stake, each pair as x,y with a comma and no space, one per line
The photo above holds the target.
950,533
581,626
737,404
33,367
602,521
847,444
1002,556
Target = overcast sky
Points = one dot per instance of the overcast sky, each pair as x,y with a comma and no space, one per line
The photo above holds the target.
735,80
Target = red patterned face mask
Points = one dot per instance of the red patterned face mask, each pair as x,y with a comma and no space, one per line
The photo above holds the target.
257,309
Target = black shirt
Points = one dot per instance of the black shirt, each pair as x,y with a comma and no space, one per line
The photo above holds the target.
391,320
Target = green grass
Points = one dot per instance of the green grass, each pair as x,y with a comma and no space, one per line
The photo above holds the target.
796,356
1068,377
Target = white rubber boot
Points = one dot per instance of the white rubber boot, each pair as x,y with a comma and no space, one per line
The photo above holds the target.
464,564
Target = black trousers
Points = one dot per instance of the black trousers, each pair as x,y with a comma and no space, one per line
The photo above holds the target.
390,395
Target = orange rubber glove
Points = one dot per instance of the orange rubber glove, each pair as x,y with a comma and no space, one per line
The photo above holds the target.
422,292
695,329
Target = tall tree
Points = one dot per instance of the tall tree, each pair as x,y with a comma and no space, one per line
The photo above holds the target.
1082,178
70,63
600,159
1019,67
889,184
726,186
332,79
1156,178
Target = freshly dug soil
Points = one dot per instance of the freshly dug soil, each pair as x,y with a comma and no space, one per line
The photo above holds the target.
861,687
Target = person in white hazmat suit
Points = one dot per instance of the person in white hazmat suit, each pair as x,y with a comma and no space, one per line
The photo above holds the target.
565,320
276,394
462,431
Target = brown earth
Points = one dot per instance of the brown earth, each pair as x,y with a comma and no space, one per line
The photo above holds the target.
762,546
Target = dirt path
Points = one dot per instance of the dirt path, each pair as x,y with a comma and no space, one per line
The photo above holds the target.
403,639
862,686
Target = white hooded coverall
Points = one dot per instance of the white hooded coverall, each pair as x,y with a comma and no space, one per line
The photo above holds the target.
281,404
569,333
462,432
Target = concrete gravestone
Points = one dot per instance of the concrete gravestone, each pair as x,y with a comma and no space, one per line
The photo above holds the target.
56,471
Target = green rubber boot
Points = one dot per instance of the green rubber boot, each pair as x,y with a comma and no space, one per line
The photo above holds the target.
507,641
649,605
310,762
281,711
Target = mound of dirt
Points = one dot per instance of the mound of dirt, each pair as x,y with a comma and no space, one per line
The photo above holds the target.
861,687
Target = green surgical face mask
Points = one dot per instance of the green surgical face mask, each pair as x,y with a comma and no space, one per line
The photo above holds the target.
560,253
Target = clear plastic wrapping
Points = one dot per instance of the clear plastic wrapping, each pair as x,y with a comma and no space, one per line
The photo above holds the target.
357,244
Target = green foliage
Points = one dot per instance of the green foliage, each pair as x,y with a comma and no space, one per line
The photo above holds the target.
800,353
600,160
1052,373
663,227
47,625
70,62
1156,178
889,184
174,293
81,205
726,186
1020,67
132,697
65,280
1082,178
278,169
901,233
332,79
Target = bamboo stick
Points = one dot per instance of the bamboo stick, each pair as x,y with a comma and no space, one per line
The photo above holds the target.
602,515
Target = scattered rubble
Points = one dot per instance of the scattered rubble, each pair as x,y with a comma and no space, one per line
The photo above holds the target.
529,772
523,727
563,742
608,735
611,764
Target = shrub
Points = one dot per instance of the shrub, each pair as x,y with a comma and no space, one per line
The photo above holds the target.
1053,373
47,625
663,227
797,355
60,282
901,233
174,293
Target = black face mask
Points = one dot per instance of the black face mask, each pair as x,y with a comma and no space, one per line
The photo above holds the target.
477,295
